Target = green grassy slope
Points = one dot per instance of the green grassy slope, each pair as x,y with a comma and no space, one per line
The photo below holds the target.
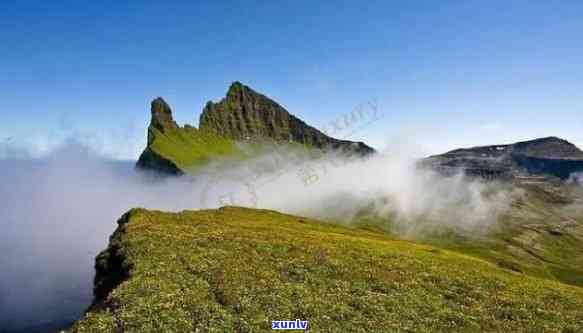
189,147
540,235
236,269
173,149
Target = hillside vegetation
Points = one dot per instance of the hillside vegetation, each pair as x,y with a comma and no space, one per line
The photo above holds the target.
236,269
541,234
188,147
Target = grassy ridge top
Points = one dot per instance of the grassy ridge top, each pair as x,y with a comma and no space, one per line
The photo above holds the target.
236,269
189,147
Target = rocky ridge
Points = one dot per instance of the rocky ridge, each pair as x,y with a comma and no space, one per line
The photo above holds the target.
245,114
541,159
242,115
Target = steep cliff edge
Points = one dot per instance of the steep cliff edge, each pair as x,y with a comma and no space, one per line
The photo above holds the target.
237,269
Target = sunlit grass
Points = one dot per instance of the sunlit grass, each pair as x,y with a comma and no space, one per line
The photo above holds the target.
189,147
236,269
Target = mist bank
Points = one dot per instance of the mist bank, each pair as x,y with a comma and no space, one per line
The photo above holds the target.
58,211
57,214
391,186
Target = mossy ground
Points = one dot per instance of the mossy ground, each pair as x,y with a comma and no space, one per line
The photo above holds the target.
189,147
236,269
522,240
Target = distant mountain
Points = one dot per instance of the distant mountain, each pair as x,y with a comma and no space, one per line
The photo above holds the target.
544,157
243,115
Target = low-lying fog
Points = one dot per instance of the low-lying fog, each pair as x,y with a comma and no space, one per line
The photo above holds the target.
57,212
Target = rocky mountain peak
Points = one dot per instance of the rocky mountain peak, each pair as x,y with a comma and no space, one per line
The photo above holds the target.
236,90
161,115
245,114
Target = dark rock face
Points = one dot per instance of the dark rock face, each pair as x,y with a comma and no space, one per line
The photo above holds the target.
246,115
111,266
150,160
544,157
161,117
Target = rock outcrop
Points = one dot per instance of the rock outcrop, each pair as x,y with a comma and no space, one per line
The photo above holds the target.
245,114
545,157
161,122
162,115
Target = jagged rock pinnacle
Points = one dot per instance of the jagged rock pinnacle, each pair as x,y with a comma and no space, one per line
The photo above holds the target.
235,86
162,115
161,121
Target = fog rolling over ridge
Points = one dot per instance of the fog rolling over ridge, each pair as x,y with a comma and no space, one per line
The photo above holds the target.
58,211
389,185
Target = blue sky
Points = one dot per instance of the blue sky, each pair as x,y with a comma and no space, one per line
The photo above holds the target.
444,74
